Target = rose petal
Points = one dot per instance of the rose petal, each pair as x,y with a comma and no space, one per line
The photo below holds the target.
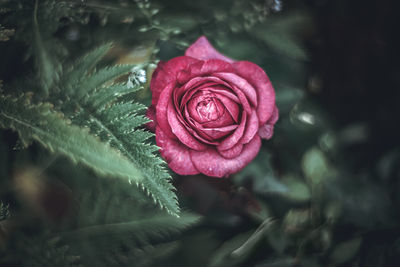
217,133
267,130
230,106
191,91
260,81
161,110
233,139
243,99
275,116
175,154
196,82
205,107
240,83
251,128
165,73
204,68
225,91
180,130
202,49
233,152
223,121
208,135
211,163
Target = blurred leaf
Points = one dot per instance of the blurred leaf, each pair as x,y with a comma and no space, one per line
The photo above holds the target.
49,67
353,134
315,166
345,251
277,238
296,220
236,250
142,230
258,235
363,203
261,174
279,33
298,191
107,244
287,97
280,262
222,256
332,211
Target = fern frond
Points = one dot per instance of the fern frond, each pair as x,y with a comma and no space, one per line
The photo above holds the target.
41,123
104,108
103,95
86,63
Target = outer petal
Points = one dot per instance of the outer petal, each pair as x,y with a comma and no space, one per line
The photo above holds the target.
167,72
202,49
251,128
260,81
233,152
267,130
161,110
211,163
176,154
204,68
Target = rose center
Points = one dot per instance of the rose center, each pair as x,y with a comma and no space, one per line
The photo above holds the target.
209,110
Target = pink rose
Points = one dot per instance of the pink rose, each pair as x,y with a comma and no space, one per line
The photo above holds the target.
210,112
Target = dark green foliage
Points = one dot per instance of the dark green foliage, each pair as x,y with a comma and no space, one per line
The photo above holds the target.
4,211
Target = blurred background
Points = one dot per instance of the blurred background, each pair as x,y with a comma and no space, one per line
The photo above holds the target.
322,192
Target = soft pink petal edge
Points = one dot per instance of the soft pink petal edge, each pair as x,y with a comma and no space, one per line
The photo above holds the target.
267,130
211,163
203,50
166,73
175,154
260,81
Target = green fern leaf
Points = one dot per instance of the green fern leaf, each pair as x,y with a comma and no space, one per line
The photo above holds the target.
41,123
100,77
103,96
86,63
110,113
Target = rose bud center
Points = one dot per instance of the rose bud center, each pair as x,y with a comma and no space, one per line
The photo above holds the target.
209,109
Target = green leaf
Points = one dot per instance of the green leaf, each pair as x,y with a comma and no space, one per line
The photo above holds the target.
53,131
159,225
345,251
110,113
48,66
280,33
106,244
296,220
236,250
315,166
86,63
297,189
100,77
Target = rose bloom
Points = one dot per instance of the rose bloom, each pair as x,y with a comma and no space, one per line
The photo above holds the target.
210,112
